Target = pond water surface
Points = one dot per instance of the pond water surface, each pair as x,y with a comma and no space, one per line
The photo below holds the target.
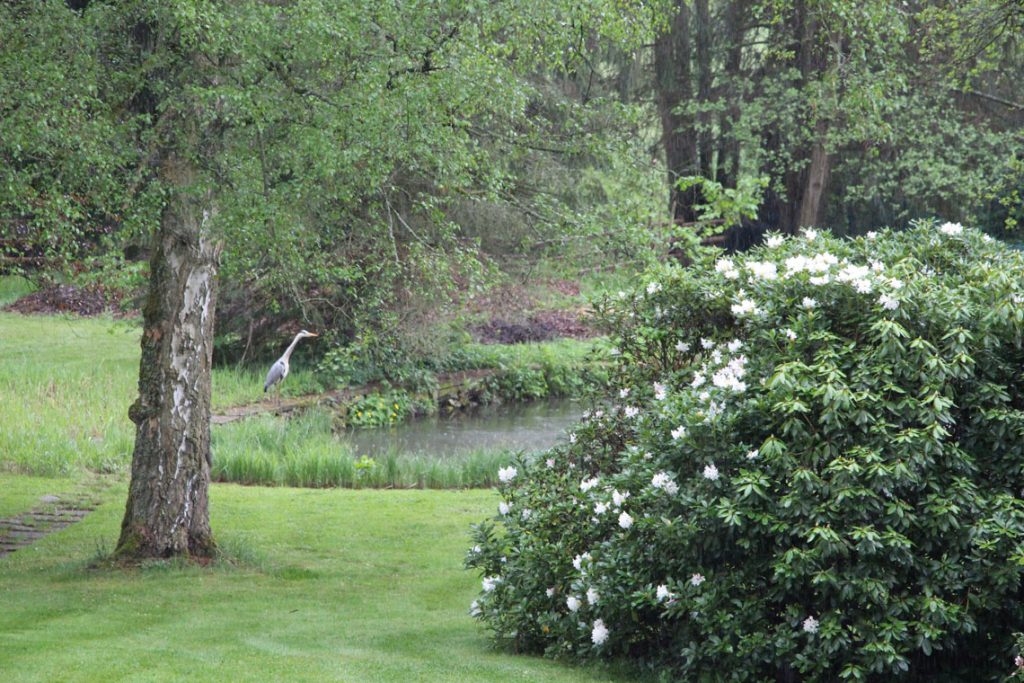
532,426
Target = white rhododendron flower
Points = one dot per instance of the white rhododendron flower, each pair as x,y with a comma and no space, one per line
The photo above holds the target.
625,521
763,270
507,474
592,596
810,234
550,592
550,462
811,625
619,498
862,286
752,455
951,228
663,593
623,393
744,307
871,234
660,391
504,507
678,433
654,287
696,579
573,603
789,334
572,437
631,411
888,303
490,583
852,273
682,347
664,481
710,472
734,346
588,484
578,561
599,634
774,241
809,303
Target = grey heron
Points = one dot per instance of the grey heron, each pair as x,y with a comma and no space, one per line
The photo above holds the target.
279,370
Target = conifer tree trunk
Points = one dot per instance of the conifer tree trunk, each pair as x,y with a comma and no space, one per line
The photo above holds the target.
167,513
674,88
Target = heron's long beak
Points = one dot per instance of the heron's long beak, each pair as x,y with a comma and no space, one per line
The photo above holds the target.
313,335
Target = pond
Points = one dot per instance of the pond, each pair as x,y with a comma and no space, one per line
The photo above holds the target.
532,426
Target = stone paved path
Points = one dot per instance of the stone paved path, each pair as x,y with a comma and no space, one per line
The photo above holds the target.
52,514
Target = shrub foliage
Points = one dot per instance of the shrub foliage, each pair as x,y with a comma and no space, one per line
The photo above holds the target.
811,470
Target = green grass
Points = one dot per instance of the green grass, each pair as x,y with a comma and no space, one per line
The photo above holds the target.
324,585
13,287
303,451
233,386
66,384
21,494
65,388
564,351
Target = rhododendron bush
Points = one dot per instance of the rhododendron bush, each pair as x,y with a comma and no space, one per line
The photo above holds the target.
810,470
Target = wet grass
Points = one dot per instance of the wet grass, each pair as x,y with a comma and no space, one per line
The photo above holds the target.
315,585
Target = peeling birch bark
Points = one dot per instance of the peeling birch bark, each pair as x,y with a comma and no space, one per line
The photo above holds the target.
167,513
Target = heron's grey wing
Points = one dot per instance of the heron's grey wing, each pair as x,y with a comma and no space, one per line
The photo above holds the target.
276,374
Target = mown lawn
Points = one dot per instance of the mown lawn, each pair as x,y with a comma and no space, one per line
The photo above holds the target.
326,585
320,584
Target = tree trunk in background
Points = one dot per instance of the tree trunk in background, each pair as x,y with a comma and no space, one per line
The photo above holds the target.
812,200
729,145
672,69
167,513
805,180
705,80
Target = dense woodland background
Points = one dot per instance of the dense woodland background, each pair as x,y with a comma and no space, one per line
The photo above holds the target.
378,165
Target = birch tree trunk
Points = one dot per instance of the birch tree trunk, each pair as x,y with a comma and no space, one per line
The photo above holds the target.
167,513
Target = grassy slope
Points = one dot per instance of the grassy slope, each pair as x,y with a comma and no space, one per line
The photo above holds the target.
334,585
65,387
66,384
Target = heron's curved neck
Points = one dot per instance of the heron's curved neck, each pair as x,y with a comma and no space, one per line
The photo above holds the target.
288,351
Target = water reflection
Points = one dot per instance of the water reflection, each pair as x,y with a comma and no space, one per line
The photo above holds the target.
533,426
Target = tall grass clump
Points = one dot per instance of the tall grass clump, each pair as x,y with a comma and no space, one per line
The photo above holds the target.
303,451
811,470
